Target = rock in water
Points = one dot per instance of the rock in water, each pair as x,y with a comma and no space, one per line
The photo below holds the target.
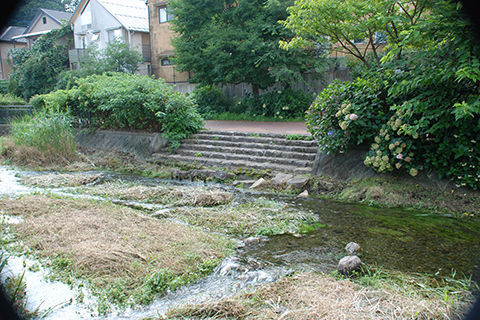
304,194
353,248
348,264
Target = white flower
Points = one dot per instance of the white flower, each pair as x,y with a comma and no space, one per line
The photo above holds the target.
399,156
353,117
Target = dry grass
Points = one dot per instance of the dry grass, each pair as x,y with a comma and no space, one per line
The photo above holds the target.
61,180
107,243
177,196
315,296
31,157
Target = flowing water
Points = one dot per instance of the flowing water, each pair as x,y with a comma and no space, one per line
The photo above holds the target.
407,241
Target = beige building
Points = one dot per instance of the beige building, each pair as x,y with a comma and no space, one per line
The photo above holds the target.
161,43
6,44
44,21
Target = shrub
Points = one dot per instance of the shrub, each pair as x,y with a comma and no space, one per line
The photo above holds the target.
280,104
347,114
412,120
10,99
210,101
131,102
3,86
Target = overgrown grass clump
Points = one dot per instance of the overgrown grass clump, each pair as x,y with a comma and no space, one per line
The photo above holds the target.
374,294
44,139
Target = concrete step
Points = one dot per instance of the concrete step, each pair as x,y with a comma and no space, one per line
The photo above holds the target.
241,144
242,149
214,162
252,149
246,158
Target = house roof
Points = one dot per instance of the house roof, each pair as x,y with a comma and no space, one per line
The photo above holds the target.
11,32
55,15
131,14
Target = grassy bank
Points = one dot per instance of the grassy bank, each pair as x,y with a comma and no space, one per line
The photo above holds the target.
130,256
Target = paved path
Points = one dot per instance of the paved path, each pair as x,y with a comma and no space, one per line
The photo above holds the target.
257,127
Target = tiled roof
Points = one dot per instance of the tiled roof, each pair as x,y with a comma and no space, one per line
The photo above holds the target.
58,15
132,14
11,32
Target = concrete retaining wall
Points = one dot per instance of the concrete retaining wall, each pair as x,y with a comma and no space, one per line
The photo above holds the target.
343,166
141,144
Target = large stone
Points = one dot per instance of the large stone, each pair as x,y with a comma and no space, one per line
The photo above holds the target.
304,194
298,182
280,179
353,248
260,184
348,264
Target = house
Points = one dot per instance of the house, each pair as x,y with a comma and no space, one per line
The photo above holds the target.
44,21
7,43
162,48
100,21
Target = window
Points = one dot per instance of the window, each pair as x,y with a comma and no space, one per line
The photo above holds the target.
358,41
165,62
112,34
96,36
86,17
44,20
164,15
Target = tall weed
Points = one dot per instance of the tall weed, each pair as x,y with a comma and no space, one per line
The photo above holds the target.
50,133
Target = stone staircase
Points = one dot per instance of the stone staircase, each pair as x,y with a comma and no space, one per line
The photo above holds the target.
244,150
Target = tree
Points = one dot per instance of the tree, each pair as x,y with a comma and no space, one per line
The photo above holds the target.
36,70
344,22
27,9
232,41
117,56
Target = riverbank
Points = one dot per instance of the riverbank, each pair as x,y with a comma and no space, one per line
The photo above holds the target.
374,289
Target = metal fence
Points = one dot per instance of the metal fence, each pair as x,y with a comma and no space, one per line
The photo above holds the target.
7,113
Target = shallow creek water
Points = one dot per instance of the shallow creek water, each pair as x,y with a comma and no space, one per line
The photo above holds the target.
396,239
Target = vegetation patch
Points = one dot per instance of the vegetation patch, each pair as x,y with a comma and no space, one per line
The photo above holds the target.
259,217
175,196
60,180
46,138
126,257
395,193
376,295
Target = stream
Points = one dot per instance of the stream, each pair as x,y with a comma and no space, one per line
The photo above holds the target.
407,241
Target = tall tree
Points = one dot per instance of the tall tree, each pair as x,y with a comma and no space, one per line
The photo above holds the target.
236,41
343,22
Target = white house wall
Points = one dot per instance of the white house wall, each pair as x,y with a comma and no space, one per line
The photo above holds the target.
102,21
